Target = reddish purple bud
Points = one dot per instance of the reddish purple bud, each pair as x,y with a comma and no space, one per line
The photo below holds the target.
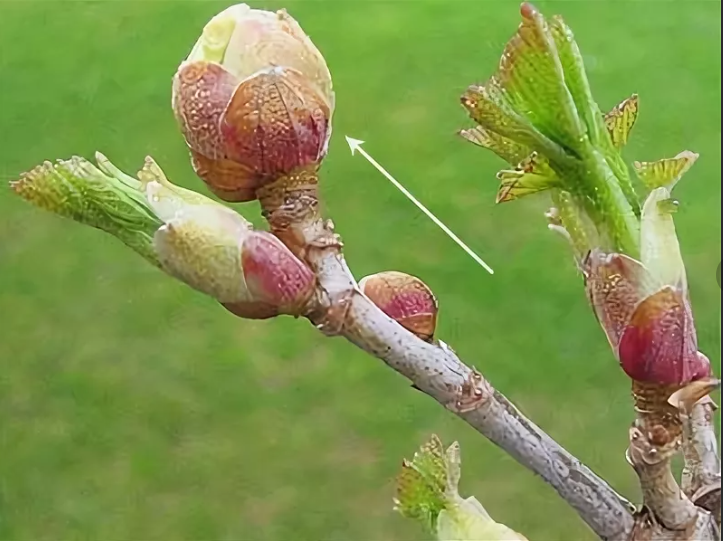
649,325
659,344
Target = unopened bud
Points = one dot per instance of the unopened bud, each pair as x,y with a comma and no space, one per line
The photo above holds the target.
649,324
253,100
215,250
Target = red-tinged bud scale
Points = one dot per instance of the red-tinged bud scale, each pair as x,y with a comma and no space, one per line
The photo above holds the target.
659,344
275,275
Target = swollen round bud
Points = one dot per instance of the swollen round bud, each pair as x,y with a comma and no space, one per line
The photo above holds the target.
405,299
253,101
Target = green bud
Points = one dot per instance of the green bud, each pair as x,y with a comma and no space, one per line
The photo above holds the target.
539,102
427,491
105,199
204,244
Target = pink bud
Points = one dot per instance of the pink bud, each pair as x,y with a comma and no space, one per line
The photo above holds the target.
274,275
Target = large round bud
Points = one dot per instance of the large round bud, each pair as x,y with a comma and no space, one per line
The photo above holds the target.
253,100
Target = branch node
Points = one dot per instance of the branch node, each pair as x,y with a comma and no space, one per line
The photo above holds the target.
472,394
661,494
332,322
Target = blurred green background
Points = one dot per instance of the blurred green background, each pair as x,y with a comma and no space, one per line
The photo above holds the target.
132,408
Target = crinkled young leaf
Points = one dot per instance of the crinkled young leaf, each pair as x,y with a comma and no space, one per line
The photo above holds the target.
422,483
532,75
510,151
532,175
540,98
427,491
579,87
431,463
621,119
417,498
576,79
490,107
577,83
667,172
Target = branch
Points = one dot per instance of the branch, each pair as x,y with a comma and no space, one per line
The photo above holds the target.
291,207
258,127
702,475
700,448
701,480
647,528
661,493
438,372
274,282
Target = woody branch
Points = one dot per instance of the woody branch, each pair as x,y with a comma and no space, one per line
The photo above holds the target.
254,103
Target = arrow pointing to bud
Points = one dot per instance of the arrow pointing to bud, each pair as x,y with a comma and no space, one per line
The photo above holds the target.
355,146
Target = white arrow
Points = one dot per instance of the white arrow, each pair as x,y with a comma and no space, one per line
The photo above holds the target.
355,145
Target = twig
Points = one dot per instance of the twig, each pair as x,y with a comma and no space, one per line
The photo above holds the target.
438,372
700,448
661,493
701,479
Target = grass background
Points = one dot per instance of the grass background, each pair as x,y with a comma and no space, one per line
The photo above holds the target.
132,408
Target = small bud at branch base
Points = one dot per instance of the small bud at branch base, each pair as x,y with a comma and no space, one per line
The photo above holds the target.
404,298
